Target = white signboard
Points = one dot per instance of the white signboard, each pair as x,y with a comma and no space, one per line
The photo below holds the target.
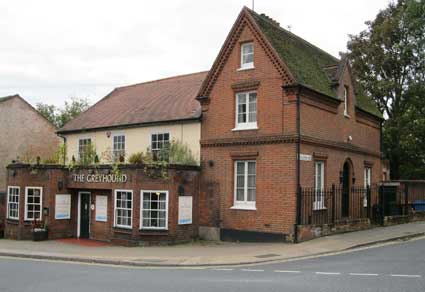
63,207
305,157
102,208
185,210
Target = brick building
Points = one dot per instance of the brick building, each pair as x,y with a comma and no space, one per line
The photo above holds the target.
275,114
269,98
98,193
25,135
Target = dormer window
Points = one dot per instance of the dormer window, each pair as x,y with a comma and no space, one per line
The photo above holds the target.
346,101
247,56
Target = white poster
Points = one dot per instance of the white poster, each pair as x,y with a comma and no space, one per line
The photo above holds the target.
63,207
185,210
102,208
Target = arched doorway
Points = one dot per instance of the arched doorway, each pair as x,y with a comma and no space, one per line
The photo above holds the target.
346,186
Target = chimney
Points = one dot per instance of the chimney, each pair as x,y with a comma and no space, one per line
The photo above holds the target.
270,19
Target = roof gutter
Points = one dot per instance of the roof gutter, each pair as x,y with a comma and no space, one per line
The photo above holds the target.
124,126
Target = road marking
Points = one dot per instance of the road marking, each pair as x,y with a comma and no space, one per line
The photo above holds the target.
223,269
363,274
282,271
406,276
251,270
327,273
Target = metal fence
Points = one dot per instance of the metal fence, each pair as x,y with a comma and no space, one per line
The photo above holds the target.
335,205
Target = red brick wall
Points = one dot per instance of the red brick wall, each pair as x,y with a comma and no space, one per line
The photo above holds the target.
137,181
276,162
48,180
335,127
276,184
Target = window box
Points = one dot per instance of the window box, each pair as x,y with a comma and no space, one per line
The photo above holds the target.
39,234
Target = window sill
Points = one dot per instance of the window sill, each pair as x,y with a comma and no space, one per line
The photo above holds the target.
247,208
12,221
246,68
245,129
319,208
122,229
151,231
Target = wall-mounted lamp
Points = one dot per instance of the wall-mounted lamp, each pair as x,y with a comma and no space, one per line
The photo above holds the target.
341,177
60,185
210,163
180,190
353,179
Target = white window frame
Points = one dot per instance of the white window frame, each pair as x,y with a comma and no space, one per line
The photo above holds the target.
245,204
319,197
79,139
26,203
250,65
8,202
346,102
367,182
245,125
142,209
115,209
159,133
114,157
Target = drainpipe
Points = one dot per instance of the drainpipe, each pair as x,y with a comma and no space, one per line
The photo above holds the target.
64,143
298,150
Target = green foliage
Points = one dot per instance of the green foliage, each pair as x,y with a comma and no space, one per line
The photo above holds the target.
59,116
180,153
388,60
59,157
89,155
136,158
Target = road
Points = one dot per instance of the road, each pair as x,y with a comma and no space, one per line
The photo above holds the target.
396,267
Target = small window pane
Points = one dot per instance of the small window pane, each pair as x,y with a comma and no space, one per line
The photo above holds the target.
154,211
245,180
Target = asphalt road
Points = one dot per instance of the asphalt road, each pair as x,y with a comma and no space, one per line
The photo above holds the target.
398,267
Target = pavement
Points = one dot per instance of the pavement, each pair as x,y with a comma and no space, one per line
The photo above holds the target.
205,253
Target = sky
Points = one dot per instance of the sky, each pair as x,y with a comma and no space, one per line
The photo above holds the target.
51,51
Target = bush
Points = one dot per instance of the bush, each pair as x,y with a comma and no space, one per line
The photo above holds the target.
178,153
136,158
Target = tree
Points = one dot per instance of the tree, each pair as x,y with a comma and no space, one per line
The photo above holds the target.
388,61
60,116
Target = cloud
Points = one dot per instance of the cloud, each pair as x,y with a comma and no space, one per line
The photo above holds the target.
52,50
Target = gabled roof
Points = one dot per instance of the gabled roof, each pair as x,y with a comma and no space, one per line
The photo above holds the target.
5,98
164,100
310,65
18,97
304,60
307,64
